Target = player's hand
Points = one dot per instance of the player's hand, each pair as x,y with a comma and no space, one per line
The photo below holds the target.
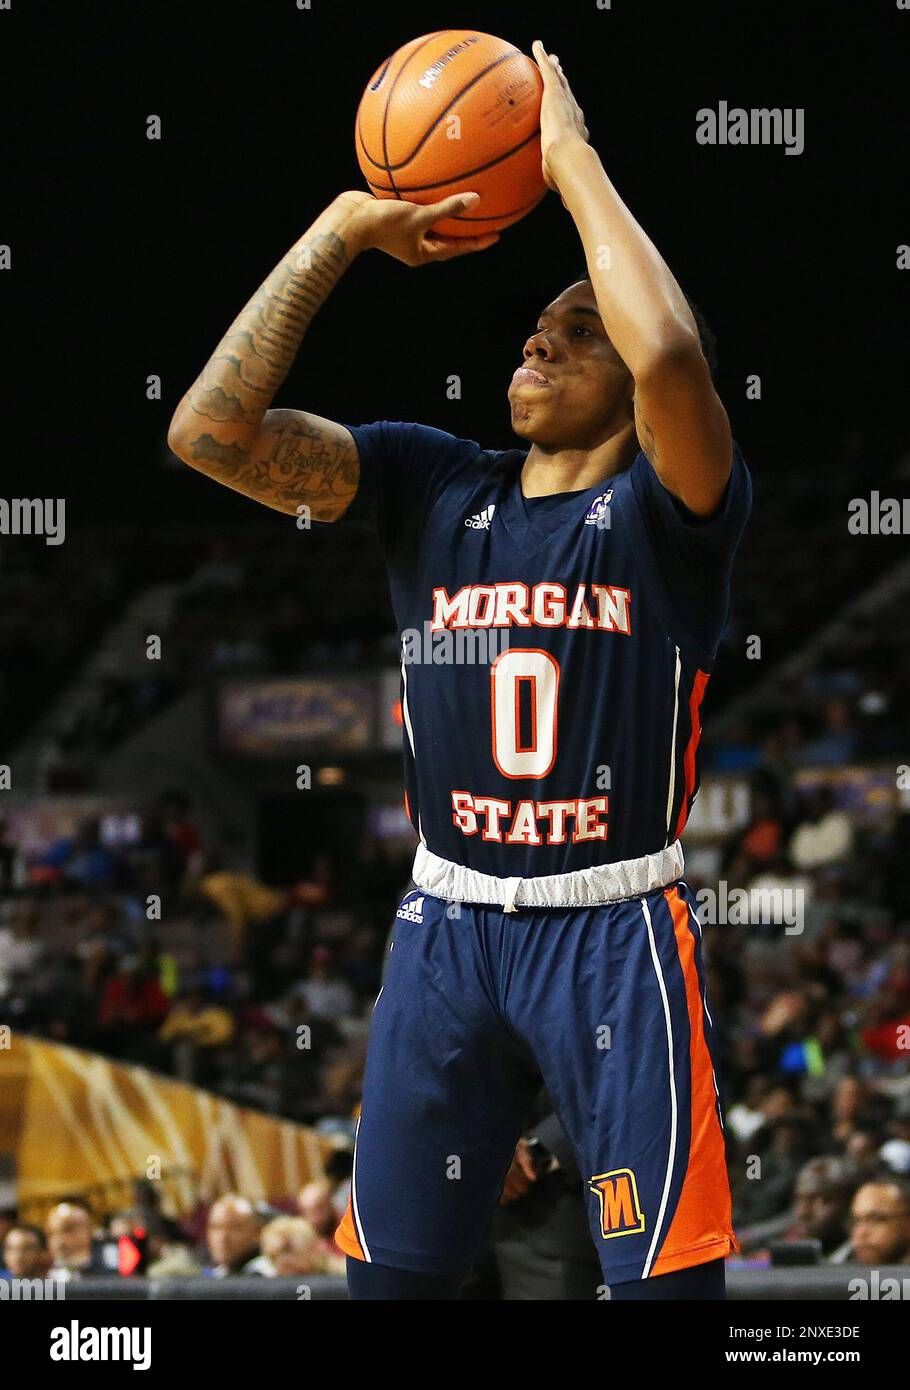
520,1175
562,121
405,230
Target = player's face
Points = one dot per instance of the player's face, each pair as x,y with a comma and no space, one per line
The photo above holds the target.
573,389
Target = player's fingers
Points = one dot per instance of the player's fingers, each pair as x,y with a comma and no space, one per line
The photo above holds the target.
444,249
448,207
544,60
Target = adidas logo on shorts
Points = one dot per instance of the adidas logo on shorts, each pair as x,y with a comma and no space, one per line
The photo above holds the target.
481,520
411,911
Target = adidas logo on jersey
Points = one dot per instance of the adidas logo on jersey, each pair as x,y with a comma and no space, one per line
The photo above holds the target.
411,911
599,511
481,520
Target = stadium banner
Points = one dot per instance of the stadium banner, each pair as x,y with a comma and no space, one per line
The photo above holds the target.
870,795
274,718
72,1122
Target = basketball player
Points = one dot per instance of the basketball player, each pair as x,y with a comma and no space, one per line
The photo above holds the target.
549,929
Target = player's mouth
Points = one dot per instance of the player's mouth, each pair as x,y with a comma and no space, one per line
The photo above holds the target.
526,376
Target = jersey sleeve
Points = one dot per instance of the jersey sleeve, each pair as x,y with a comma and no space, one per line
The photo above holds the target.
686,544
403,467
690,558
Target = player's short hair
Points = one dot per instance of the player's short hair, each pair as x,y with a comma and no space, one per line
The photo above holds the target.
706,334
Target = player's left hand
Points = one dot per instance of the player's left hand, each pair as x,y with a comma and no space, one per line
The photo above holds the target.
561,118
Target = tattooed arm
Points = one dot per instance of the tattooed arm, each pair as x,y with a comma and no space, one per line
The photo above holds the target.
288,458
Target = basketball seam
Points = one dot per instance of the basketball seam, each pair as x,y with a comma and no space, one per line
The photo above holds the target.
388,63
468,173
385,114
513,53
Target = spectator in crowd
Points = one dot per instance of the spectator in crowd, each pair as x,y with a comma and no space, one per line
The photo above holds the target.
243,902
856,1106
880,1222
133,1007
20,947
821,1206
172,1260
8,1219
836,742
232,1234
165,1256
25,1253
12,864
825,834
259,1069
174,810
759,845
70,1237
291,1247
325,995
314,1203
198,1030
747,1117
81,860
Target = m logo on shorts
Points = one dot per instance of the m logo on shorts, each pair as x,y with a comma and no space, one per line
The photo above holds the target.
620,1210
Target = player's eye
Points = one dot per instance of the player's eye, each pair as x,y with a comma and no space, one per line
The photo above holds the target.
581,328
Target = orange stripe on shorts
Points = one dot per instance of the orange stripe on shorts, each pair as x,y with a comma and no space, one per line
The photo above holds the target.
702,1225
346,1235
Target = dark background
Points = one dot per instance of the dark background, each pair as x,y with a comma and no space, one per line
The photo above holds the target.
132,256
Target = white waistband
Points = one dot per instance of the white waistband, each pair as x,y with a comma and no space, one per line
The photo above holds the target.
604,883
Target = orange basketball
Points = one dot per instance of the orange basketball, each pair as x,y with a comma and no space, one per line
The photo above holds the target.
454,111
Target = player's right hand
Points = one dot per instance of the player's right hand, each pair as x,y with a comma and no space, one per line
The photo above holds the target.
405,230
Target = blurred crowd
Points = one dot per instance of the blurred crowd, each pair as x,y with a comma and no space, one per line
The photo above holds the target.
258,993
263,995
812,1007
233,1236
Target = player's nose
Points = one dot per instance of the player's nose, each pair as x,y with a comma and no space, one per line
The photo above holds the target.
539,346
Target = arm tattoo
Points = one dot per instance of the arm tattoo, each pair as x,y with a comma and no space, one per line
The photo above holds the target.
293,463
291,460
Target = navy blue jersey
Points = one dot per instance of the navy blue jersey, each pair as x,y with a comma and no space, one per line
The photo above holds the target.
555,650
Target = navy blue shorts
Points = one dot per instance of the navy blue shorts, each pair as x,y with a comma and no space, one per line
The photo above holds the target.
608,1004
